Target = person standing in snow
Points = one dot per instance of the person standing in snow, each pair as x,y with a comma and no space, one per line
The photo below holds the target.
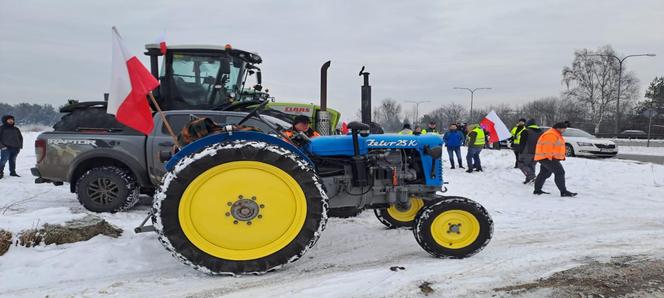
11,143
418,130
526,150
431,128
550,151
516,139
406,130
475,142
453,138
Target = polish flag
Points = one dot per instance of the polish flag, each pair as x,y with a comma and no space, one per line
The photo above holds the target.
161,41
344,128
131,82
496,128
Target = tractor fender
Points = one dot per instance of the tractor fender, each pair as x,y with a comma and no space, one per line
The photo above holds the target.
234,136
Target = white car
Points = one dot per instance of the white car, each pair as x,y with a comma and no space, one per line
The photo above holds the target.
581,143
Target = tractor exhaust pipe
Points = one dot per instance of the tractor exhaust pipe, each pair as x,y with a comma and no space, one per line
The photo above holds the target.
366,97
323,123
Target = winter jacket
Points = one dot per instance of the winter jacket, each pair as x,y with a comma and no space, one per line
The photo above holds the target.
516,134
10,135
529,137
453,138
472,141
550,145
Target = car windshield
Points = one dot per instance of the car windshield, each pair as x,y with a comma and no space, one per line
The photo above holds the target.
201,81
571,132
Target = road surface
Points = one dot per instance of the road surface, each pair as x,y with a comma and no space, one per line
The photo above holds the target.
643,158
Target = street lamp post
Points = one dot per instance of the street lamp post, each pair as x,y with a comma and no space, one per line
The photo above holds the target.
620,67
417,107
472,96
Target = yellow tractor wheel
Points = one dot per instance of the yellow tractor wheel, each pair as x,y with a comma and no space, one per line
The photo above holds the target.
395,217
454,227
240,208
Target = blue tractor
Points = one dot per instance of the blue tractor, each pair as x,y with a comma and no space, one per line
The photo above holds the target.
243,202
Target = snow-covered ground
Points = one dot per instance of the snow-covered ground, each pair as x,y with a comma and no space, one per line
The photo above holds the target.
641,150
618,212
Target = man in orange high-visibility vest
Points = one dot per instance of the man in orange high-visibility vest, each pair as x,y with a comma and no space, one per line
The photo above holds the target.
549,151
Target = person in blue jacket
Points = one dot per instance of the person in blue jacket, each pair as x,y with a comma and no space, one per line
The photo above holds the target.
453,139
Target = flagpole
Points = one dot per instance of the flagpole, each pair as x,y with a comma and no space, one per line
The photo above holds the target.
166,123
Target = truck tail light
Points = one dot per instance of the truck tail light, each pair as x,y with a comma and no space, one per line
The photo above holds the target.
40,150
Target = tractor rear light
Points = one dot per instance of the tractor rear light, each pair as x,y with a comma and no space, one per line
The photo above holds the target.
40,150
395,179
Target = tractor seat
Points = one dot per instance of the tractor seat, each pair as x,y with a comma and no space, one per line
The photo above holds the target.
355,125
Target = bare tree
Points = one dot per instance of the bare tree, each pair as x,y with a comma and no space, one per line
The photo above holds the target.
388,115
593,81
443,116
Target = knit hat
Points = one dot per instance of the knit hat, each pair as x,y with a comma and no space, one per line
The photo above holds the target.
301,119
522,120
531,122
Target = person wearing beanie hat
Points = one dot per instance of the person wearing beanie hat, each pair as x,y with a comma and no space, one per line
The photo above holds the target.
516,139
11,143
475,142
526,151
301,124
550,151
406,130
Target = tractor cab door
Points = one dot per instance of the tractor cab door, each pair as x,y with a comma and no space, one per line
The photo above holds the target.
199,80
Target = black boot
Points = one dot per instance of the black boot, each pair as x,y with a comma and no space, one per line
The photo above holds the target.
452,167
539,192
14,174
461,167
470,170
528,180
479,169
2,175
568,194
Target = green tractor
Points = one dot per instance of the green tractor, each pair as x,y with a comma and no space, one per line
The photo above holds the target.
205,77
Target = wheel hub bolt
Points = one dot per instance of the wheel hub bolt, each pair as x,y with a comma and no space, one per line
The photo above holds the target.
228,214
235,222
262,206
260,216
249,223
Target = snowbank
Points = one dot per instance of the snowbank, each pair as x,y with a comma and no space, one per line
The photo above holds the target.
617,212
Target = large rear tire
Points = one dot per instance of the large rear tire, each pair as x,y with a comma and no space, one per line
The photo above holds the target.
454,228
240,208
393,217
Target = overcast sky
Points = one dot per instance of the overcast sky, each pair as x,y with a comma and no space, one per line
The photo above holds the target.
415,50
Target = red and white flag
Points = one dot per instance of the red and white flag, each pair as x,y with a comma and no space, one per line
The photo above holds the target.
161,41
130,84
496,128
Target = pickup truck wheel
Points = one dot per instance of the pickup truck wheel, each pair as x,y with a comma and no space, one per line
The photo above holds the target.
107,189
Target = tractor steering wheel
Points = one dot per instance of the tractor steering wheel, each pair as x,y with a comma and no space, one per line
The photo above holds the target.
253,112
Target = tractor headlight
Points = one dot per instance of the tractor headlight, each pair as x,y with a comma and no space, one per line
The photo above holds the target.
583,144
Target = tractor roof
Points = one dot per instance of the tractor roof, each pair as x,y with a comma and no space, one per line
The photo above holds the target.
249,56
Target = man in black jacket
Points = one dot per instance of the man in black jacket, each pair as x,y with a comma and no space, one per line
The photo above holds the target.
11,142
526,149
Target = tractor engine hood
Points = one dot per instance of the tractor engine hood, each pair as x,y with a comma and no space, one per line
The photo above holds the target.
342,145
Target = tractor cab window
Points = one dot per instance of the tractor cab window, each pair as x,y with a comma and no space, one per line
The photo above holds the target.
203,80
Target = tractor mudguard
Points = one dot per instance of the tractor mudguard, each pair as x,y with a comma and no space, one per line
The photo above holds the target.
236,135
